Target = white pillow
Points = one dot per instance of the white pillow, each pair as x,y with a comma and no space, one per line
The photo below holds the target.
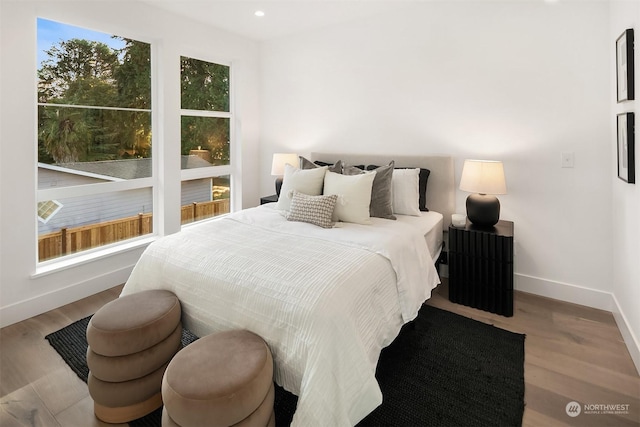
354,193
405,190
307,181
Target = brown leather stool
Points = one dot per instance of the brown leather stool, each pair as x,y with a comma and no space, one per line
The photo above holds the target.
131,341
223,379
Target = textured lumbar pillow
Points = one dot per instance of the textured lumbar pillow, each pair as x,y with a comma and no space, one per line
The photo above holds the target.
354,193
316,210
307,181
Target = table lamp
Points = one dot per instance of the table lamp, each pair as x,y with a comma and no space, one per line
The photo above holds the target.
483,178
277,167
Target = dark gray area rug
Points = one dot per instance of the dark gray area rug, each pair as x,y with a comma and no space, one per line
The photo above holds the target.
442,370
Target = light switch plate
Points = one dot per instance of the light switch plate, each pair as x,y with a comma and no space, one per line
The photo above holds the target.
566,159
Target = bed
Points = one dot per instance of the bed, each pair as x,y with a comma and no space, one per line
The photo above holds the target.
326,300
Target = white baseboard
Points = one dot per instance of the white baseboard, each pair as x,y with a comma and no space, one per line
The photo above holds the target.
564,291
583,296
627,334
31,307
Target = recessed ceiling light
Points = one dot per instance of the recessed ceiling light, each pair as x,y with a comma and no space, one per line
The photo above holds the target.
259,13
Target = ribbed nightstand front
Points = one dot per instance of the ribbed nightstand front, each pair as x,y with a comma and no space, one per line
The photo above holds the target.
481,267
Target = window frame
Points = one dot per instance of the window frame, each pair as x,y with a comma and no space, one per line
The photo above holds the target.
55,193
214,171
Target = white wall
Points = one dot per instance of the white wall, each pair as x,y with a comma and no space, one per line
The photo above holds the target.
520,82
23,295
626,197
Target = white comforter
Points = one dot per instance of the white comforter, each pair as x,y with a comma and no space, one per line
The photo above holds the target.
325,300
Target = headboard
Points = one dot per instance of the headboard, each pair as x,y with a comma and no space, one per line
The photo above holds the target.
441,184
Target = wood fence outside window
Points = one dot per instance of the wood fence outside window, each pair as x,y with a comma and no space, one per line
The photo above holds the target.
74,239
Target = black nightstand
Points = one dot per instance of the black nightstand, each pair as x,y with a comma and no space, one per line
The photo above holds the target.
268,199
481,267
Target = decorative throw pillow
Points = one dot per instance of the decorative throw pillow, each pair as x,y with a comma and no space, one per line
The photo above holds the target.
316,210
308,164
308,181
404,190
423,179
381,205
354,193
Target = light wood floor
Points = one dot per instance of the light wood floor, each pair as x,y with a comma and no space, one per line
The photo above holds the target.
572,353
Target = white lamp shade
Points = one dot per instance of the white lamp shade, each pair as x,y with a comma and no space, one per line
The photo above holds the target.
281,159
483,176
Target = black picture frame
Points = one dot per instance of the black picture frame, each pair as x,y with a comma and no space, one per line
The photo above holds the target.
626,147
625,67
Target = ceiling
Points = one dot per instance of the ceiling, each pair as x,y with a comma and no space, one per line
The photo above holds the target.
281,17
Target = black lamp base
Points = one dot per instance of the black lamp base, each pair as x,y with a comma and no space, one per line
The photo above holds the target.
278,185
483,210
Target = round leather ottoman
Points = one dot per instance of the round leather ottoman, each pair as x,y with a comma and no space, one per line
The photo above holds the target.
131,341
223,379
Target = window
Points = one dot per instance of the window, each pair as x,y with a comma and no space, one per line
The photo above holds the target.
205,139
46,210
204,198
94,139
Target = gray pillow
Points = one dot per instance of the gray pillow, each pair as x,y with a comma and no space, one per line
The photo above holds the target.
423,178
308,164
380,206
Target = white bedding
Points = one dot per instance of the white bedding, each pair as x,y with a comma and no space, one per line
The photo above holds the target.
429,224
325,300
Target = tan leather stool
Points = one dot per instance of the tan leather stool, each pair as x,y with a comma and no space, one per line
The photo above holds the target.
131,341
224,379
